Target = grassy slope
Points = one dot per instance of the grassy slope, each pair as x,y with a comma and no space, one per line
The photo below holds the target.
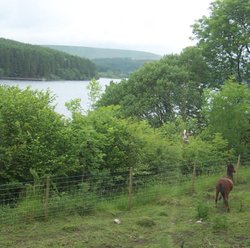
94,53
161,217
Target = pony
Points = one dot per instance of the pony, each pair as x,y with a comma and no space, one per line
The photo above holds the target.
224,186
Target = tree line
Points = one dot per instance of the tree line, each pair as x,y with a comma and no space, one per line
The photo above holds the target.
20,60
137,123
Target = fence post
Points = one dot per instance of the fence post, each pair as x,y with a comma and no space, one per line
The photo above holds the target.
130,187
46,202
237,169
193,177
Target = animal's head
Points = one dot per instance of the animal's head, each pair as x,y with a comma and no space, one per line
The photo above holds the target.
230,169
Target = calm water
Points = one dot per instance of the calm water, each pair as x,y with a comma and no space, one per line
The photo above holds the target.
63,90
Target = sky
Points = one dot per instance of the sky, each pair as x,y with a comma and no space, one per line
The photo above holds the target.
157,26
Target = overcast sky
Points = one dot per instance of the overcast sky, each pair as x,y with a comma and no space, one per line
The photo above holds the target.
158,26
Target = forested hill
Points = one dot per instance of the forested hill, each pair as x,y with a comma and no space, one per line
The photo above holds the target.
101,53
21,60
116,63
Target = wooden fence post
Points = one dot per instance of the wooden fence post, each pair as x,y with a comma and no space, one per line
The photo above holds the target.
46,202
237,169
130,187
193,177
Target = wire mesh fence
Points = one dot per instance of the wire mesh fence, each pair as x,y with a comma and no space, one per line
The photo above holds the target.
81,194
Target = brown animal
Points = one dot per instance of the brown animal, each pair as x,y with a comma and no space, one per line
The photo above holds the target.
224,186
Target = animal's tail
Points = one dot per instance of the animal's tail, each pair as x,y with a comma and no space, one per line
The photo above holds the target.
222,189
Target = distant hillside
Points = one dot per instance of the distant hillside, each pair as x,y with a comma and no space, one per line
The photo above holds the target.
24,61
111,63
100,53
117,67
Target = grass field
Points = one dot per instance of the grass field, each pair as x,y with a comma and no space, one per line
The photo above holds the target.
161,216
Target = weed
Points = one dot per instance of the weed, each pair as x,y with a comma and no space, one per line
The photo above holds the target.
220,223
202,210
71,228
163,213
146,222
30,209
165,242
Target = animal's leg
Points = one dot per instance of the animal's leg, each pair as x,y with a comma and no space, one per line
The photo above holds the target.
220,196
226,203
216,197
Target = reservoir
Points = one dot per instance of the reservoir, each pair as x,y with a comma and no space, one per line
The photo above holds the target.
64,91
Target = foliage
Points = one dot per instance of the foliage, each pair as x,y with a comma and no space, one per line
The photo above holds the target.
173,130
32,135
108,146
110,63
36,141
81,203
206,153
207,150
221,223
202,210
95,90
228,112
136,123
224,39
110,142
74,106
30,209
158,153
161,90
20,60
117,67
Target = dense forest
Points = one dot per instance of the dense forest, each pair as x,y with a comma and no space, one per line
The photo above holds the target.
19,60
139,122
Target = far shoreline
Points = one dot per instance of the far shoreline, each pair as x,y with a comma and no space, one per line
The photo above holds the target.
41,79
23,79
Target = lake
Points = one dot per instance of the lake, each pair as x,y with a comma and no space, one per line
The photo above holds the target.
63,90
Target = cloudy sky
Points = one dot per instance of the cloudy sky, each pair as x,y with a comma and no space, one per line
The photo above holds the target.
158,26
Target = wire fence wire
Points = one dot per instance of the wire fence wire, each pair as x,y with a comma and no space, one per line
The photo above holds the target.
81,194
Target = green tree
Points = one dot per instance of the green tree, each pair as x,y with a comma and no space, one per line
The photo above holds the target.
224,37
162,90
228,112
